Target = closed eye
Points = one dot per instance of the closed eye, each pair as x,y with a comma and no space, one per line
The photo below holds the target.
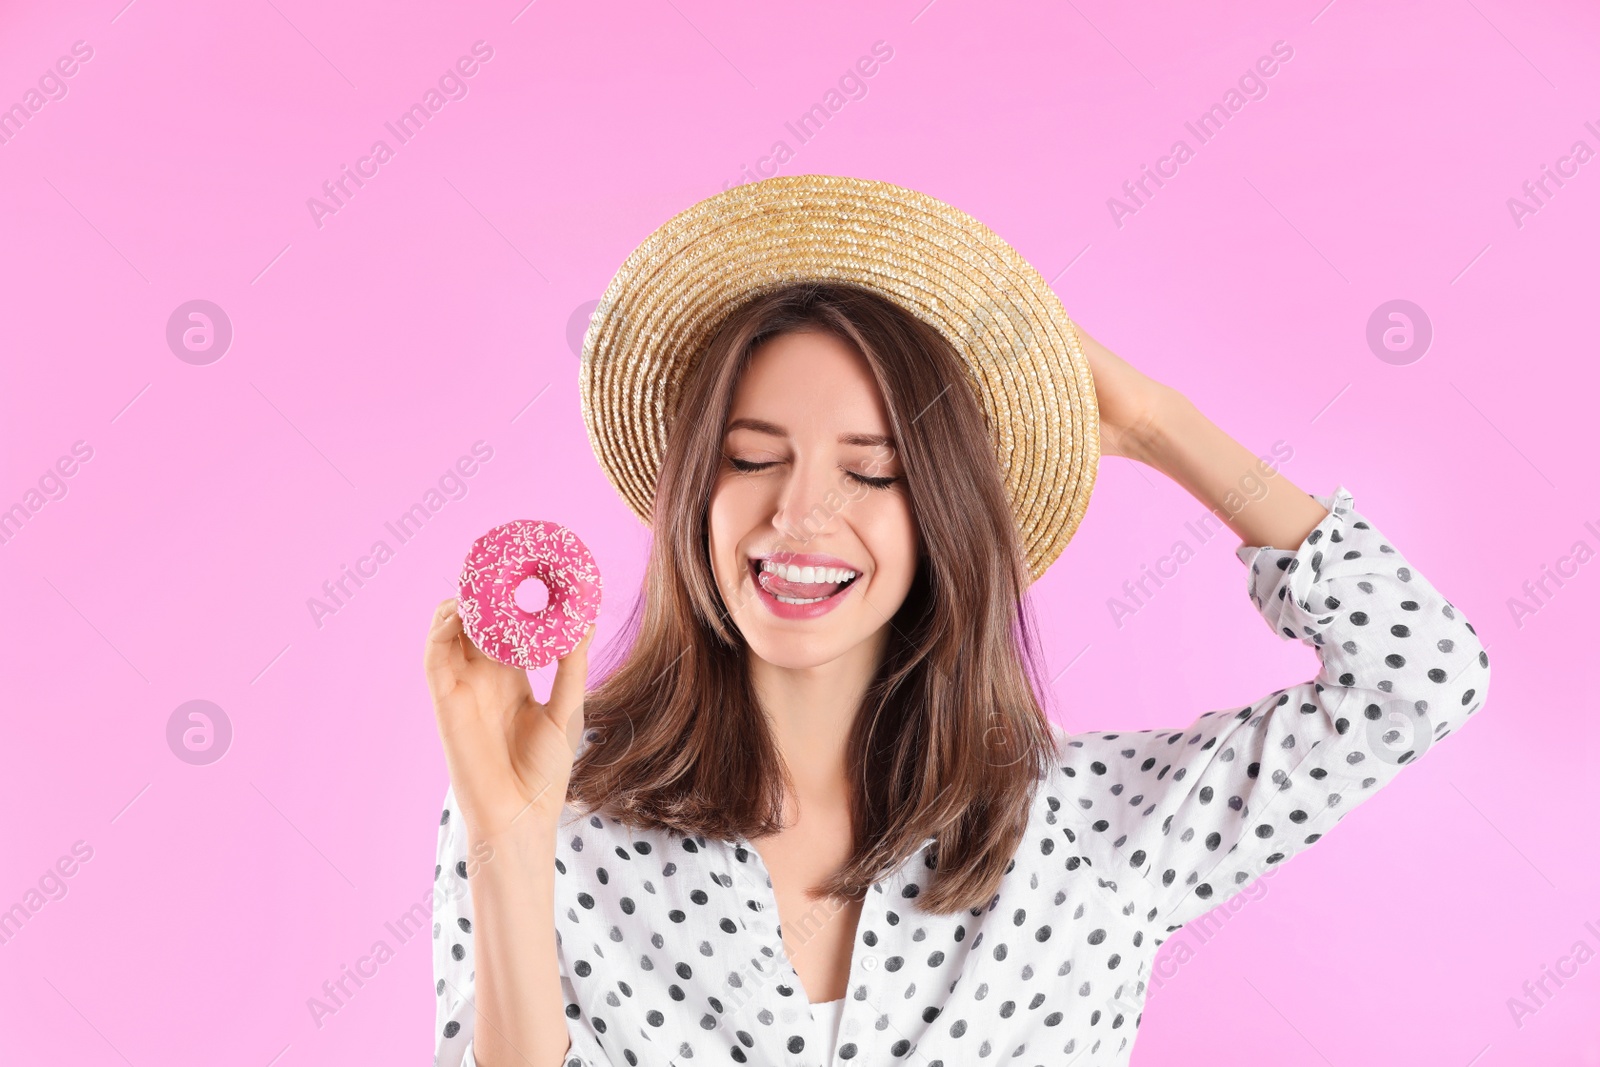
747,466
867,479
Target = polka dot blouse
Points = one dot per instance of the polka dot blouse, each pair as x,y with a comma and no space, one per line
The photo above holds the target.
670,950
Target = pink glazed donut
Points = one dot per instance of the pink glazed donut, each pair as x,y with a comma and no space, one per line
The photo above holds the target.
503,559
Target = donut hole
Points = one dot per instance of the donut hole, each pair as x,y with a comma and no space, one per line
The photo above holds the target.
532,595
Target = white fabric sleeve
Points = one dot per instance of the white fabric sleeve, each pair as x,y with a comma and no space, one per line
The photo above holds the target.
1181,820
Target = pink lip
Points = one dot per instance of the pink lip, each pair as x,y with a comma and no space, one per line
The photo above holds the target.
800,559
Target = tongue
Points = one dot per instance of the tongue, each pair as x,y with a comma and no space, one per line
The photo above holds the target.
797,590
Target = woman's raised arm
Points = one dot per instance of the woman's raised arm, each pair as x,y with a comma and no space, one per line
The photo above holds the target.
1155,424
502,996
1181,819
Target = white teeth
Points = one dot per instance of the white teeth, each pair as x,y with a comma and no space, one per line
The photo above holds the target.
789,573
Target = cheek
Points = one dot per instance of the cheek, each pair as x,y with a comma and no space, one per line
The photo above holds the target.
727,523
717,524
890,530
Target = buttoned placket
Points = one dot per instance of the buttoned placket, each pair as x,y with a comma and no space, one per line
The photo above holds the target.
863,964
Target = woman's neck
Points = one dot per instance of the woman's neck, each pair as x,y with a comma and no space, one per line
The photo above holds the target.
811,710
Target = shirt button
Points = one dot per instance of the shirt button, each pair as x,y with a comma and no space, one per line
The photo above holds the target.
869,963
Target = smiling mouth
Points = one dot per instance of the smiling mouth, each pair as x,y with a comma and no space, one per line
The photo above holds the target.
773,578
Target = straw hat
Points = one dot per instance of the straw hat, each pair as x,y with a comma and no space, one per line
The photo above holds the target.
1024,359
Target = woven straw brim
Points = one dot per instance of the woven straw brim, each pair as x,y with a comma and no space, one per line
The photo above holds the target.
1022,352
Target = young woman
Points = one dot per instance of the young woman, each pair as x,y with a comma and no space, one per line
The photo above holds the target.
816,815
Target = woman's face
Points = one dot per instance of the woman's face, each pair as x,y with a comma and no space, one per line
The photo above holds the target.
794,514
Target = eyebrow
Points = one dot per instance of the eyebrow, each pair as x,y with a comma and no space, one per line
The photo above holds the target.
774,430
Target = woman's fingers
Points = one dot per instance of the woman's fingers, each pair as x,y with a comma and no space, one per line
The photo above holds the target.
441,652
469,648
446,611
572,674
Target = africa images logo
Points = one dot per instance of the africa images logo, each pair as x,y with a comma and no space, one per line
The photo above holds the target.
452,85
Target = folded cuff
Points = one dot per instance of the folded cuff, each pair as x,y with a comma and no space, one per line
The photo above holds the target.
1281,581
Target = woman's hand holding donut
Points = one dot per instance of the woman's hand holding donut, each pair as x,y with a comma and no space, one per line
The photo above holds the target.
509,756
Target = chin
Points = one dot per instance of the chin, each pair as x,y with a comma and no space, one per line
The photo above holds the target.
796,652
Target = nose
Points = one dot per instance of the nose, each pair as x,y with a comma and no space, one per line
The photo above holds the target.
809,500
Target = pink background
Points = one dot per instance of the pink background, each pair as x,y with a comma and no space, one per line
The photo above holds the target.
441,301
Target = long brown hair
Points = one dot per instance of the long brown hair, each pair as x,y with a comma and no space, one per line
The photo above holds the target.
950,739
